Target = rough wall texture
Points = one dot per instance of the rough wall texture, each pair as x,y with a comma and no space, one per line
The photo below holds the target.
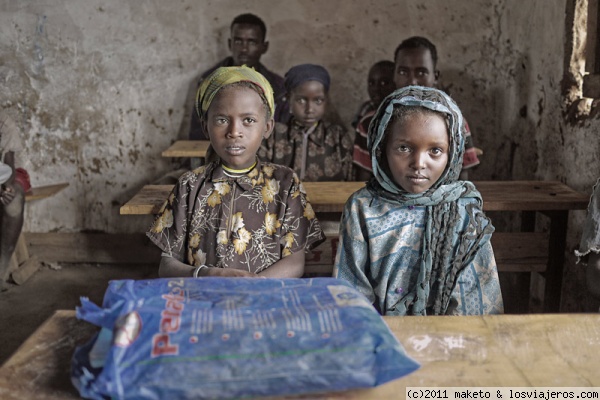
100,88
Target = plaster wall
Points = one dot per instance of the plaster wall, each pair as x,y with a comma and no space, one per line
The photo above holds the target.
100,88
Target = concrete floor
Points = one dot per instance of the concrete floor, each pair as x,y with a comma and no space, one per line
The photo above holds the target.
24,308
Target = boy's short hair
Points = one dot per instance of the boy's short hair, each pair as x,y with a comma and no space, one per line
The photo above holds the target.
418,42
383,64
250,19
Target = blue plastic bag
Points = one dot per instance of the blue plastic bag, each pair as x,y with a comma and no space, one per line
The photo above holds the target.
188,338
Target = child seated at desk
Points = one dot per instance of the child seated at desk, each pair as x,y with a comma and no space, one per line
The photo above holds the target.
236,216
317,149
589,245
14,182
380,84
415,240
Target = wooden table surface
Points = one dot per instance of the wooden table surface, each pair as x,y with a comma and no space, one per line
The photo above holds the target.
187,148
536,350
331,196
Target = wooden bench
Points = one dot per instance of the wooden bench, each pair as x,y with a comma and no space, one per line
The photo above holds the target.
514,252
518,256
22,264
187,148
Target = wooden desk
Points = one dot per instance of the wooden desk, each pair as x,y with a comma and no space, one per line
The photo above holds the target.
331,196
187,148
537,350
551,198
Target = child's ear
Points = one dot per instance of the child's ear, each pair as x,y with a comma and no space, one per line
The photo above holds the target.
270,124
204,126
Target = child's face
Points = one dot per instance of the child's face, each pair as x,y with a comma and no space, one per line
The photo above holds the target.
308,102
236,123
247,45
380,83
417,151
415,67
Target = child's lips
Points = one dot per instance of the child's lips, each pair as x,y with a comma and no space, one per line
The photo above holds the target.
235,149
417,178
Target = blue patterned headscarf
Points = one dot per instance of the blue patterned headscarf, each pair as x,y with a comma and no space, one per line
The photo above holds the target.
440,264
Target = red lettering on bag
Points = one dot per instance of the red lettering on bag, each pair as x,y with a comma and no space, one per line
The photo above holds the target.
161,346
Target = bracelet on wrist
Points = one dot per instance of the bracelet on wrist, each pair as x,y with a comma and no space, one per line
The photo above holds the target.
198,269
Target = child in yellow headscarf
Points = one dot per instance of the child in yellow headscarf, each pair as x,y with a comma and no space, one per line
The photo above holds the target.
236,216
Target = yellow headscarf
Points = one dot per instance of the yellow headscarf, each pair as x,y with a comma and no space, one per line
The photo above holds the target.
225,76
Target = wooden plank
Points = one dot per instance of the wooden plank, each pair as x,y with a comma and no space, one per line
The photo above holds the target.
331,196
514,252
42,192
473,351
530,196
521,251
187,148
134,248
149,200
56,341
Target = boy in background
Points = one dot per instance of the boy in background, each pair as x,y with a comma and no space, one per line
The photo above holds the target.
380,84
416,64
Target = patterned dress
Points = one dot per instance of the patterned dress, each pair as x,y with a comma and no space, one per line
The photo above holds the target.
249,222
329,151
379,253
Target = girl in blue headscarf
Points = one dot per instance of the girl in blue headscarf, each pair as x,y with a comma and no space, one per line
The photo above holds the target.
415,240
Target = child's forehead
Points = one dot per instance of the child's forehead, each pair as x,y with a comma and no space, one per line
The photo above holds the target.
415,117
309,86
414,53
238,95
247,29
381,70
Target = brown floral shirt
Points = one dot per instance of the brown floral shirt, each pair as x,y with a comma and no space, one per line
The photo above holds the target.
329,151
249,222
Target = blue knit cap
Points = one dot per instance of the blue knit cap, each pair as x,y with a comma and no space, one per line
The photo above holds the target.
306,72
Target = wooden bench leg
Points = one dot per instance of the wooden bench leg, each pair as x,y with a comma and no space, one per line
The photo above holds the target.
20,255
22,266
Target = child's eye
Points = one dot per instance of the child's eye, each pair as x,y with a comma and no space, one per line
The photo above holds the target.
319,101
300,101
249,120
401,72
436,151
403,148
221,121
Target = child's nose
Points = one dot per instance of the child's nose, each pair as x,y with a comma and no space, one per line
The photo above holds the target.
413,79
236,128
418,161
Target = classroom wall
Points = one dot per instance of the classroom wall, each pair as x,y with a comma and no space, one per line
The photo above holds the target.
100,88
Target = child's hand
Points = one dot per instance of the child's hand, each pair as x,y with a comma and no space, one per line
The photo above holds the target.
228,272
7,194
